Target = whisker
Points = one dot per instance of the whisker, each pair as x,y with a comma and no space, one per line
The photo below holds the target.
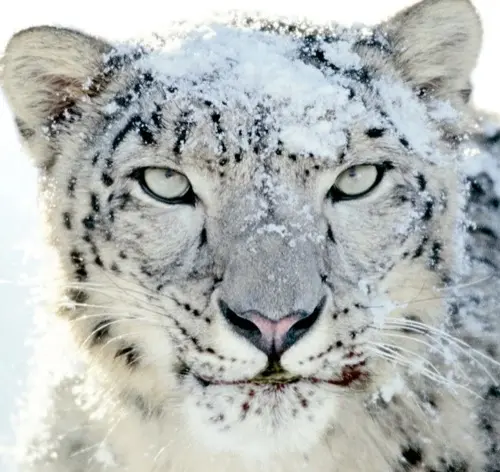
393,356
436,348
427,330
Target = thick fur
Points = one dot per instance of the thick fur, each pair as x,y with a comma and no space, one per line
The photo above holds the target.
400,369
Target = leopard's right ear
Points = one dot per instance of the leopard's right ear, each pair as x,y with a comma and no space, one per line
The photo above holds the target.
45,70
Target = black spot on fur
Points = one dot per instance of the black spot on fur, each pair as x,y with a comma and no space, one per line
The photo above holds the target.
98,261
330,235
420,249
493,203
146,271
279,148
182,128
77,296
260,129
100,332
484,230
215,116
451,466
400,194
89,222
494,391
203,238
480,186
404,142
435,254
428,210
50,162
422,183
412,455
375,132
106,179
24,130
71,186
124,199
95,159
157,117
67,220
94,202
130,354
78,262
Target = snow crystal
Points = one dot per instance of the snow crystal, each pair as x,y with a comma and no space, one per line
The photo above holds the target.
394,387
380,306
103,456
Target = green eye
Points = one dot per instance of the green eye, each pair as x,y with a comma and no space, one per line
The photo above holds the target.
357,181
165,185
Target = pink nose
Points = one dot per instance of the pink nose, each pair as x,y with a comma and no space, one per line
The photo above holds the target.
271,336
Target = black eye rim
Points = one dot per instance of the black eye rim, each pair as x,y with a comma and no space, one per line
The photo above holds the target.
189,198
336,195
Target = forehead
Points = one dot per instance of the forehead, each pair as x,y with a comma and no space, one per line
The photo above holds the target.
226,86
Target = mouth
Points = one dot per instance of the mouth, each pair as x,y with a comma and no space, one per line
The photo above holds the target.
274,376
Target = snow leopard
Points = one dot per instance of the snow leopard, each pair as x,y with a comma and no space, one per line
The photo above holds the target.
275,243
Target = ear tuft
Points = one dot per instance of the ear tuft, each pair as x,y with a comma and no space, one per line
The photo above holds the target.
47,69
437,43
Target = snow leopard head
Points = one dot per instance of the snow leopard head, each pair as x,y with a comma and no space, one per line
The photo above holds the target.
247,214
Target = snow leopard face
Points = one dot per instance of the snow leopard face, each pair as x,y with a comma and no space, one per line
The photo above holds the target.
247,214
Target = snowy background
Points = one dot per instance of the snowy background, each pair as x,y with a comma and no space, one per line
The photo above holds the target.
20,245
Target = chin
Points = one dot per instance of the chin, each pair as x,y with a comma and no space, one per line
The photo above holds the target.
259,420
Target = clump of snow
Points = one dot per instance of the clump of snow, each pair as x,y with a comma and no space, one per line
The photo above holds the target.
309,109
104,457
393,387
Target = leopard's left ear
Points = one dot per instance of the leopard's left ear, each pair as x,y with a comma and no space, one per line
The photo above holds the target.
437,44
46,69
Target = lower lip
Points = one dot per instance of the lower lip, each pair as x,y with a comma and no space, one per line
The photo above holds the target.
350,374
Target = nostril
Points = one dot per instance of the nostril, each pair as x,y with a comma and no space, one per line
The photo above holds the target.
237,321
303,325
307,320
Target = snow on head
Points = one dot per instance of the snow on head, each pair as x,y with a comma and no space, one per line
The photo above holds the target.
312,86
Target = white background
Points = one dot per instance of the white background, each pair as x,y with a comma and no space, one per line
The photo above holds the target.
19,244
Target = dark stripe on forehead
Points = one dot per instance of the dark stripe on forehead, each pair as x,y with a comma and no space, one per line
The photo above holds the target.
140,127
215,116
376,40
142,83
182,129
260,129
311,52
